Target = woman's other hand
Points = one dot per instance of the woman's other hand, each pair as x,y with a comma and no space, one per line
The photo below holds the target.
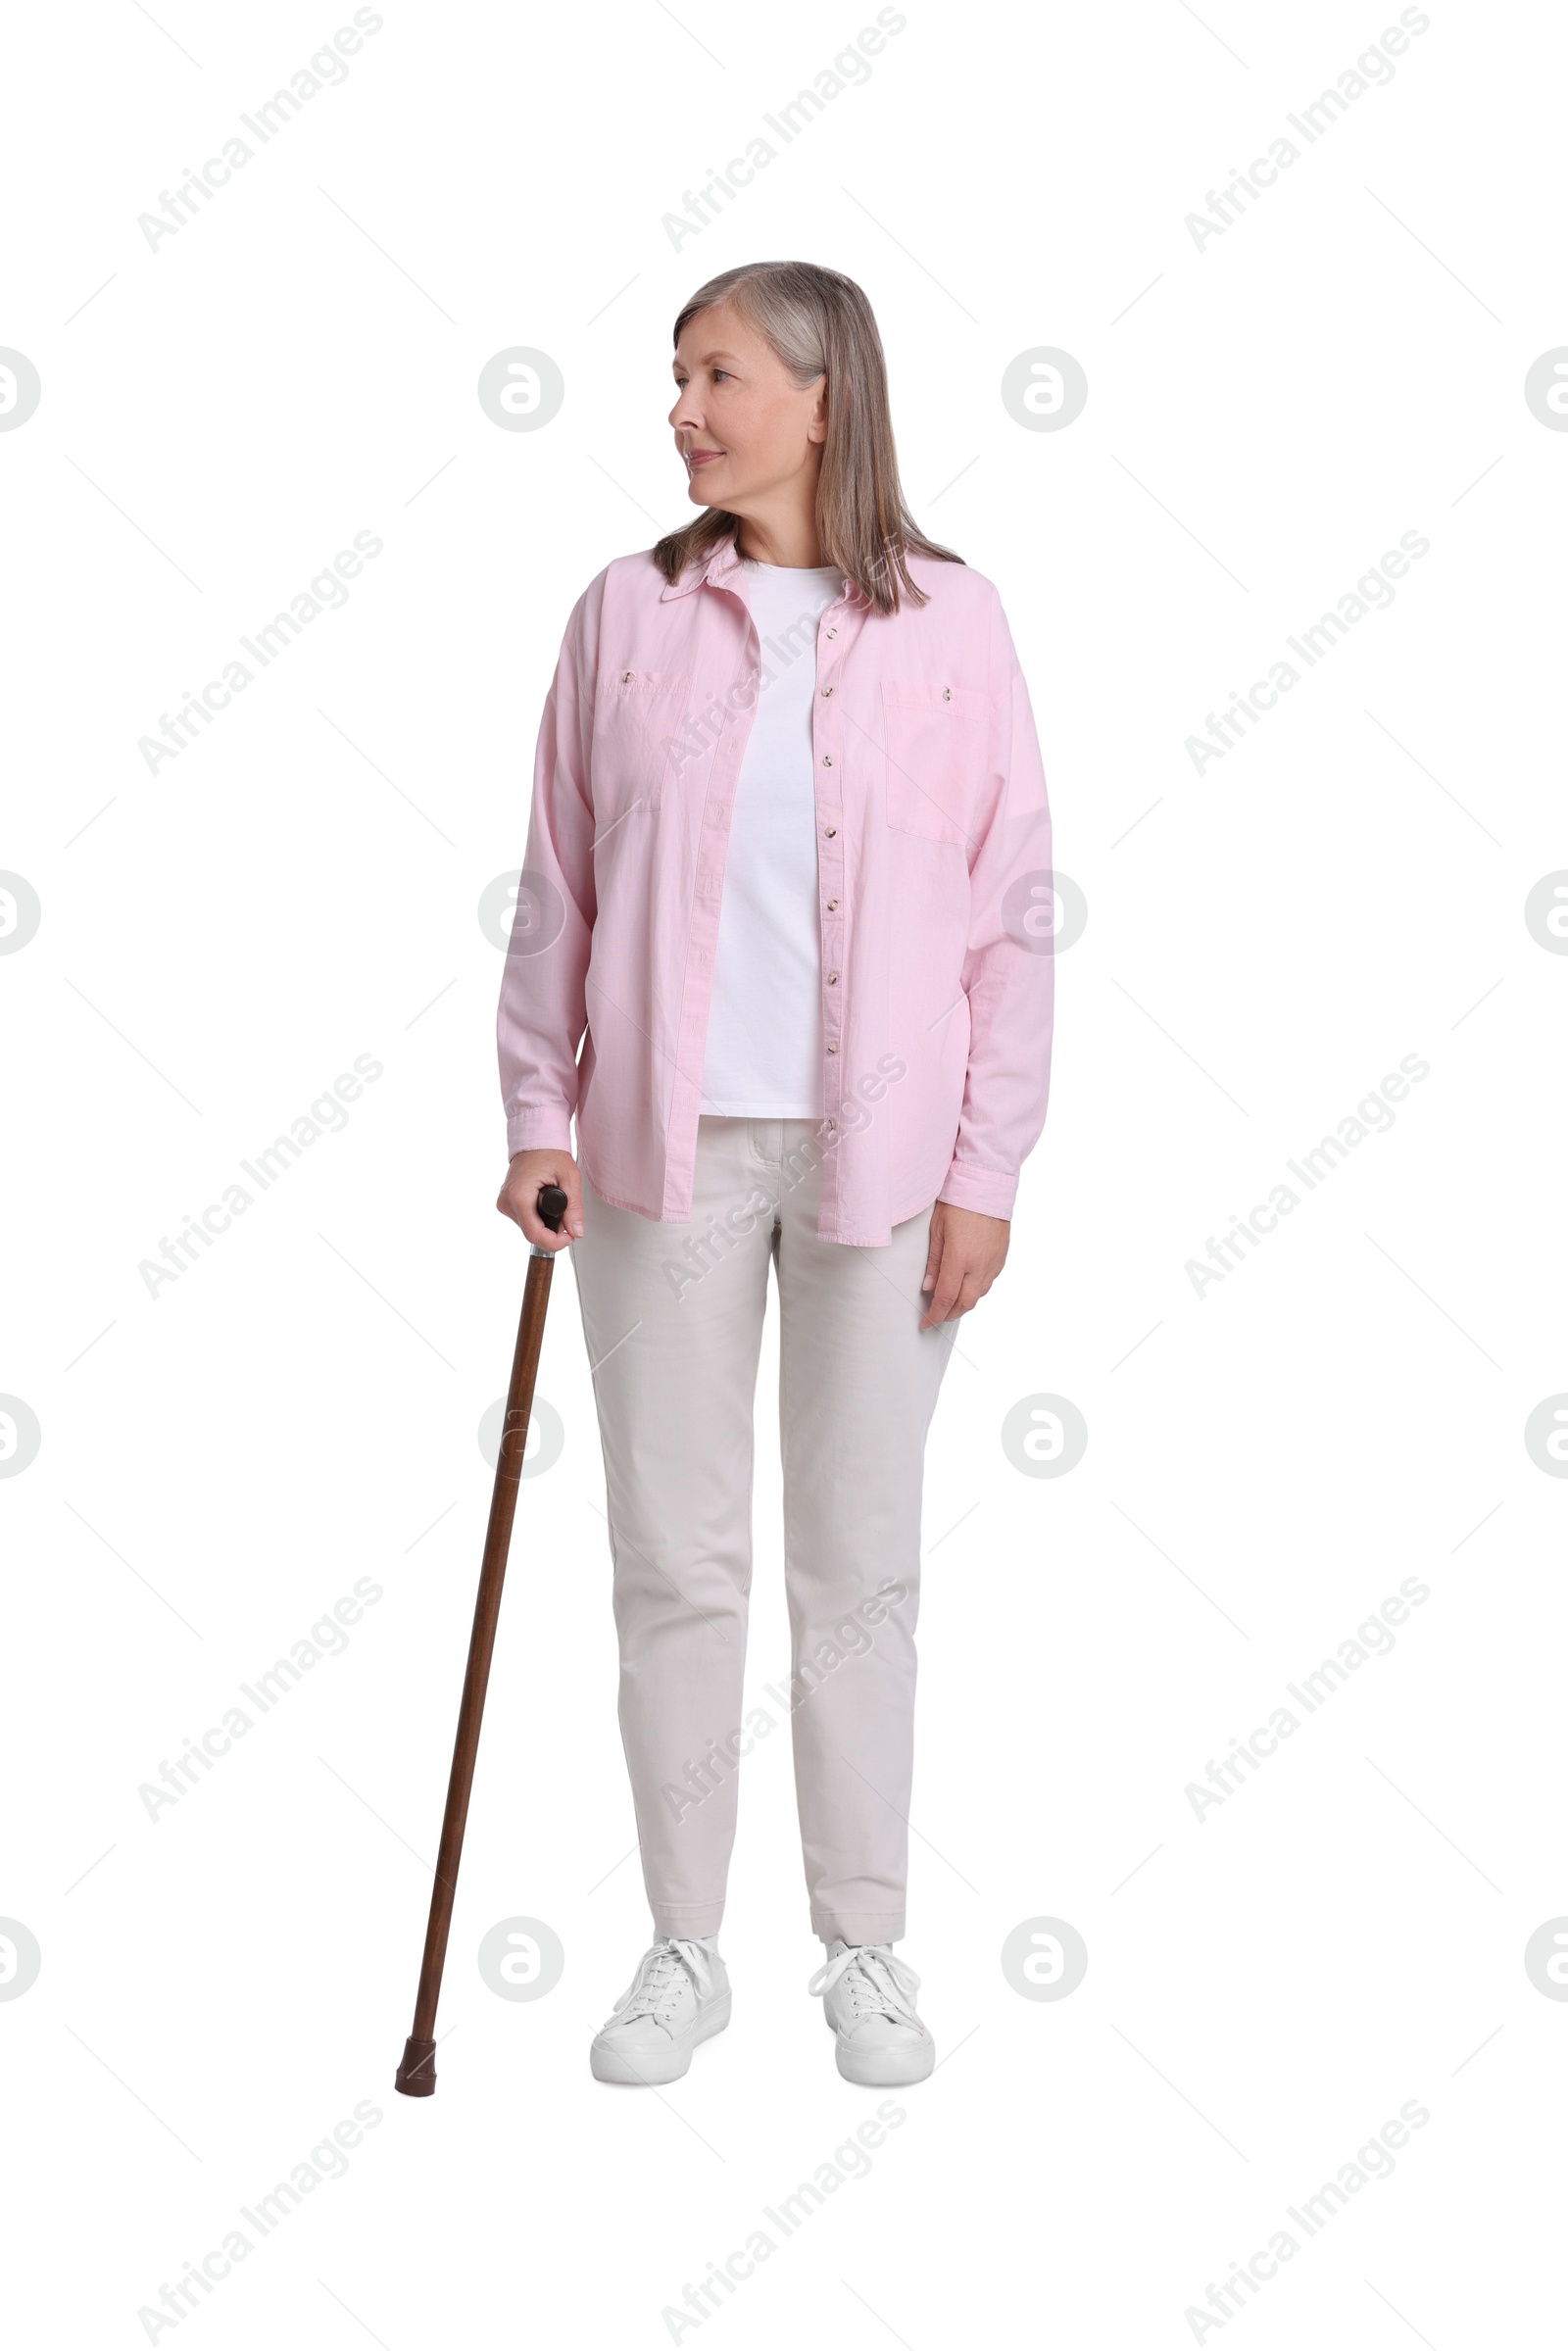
967,1251
519,1196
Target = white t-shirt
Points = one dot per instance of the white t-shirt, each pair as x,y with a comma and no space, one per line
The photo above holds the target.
765,1027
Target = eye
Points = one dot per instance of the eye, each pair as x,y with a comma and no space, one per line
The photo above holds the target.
719,371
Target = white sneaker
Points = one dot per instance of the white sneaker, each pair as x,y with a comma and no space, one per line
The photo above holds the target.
678,1996
868,1999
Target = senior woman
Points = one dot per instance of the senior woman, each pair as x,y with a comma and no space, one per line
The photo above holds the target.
777,947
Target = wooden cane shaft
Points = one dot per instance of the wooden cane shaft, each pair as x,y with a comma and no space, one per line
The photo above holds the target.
483,1640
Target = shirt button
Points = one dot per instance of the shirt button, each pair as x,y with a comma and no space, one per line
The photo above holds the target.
947,693
832,1048
832,633
827,759
831,830
627,677
832,1122
827,689
832,906
832,979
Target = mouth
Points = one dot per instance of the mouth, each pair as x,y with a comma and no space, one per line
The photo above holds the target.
702,457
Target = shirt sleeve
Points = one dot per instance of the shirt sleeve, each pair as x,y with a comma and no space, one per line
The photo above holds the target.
1010,966
543,1013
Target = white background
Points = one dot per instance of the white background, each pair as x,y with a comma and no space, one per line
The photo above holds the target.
219,1463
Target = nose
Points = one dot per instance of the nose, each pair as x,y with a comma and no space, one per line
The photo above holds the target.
686,415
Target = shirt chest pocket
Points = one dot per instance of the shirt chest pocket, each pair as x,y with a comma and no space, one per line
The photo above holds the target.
935,742
639,719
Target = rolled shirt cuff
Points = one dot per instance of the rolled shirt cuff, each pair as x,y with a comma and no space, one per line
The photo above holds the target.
543,1129
984,1190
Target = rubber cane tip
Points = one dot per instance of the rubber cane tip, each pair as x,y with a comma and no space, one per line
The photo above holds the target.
416,2077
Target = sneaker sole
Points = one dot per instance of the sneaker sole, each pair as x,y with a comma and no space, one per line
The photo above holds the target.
885,2069
613,2065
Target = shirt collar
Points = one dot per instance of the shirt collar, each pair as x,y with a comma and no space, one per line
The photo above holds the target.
724,562
719,570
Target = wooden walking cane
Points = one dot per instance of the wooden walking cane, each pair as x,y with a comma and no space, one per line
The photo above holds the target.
415,2075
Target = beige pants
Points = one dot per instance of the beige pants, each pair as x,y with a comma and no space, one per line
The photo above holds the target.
673,1318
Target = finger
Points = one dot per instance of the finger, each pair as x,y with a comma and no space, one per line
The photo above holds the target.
944,1298
949,1304
933,1258
970,1294
510,1202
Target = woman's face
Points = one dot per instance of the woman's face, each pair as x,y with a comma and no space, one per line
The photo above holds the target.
745,430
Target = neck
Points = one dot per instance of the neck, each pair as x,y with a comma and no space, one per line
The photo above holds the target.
787,539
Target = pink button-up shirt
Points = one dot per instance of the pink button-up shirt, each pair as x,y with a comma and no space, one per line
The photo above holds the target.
934,895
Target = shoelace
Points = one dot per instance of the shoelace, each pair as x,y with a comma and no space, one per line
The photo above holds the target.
879,1983
660,1971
